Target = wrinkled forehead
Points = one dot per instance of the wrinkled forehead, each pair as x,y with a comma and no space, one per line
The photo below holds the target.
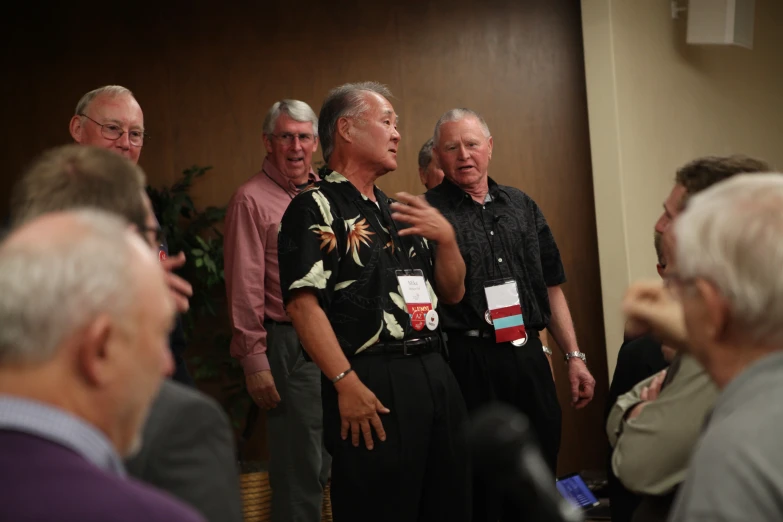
286,123
119,109
467,127
379,105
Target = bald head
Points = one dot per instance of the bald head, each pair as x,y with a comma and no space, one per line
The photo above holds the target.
60,271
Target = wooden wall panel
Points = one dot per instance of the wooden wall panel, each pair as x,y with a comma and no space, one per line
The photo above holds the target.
205,77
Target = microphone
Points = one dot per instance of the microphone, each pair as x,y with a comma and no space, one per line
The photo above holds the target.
505,453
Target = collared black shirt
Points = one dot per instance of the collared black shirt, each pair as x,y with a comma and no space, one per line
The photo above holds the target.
505,237
336,242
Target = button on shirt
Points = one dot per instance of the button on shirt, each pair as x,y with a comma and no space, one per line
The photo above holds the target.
339,244
504,237
60,427
250,262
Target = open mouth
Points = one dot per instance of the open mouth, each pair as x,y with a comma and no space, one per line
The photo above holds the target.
465,168
296,161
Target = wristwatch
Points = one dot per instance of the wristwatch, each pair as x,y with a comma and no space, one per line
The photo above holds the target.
579,355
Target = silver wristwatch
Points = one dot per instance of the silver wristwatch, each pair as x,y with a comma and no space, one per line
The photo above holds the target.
579,355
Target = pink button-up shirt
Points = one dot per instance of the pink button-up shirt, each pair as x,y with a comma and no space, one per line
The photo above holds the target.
250,255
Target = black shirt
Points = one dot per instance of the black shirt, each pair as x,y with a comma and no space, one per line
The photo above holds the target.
637,360
507,236
335,241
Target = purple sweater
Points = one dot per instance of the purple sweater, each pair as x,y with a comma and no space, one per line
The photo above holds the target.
42,481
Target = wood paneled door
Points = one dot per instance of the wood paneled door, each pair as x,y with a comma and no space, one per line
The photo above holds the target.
206,73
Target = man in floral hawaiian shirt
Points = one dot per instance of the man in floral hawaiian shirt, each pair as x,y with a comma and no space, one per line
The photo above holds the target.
343,246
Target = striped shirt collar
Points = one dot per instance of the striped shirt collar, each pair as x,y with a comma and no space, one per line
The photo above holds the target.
60,427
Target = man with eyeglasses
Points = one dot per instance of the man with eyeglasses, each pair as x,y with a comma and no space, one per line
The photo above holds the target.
654,427
278,377
187,446
109,117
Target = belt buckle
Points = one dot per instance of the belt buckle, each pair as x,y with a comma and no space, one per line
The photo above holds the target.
405,346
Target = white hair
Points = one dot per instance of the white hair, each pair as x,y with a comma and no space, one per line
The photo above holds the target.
731,234
109,90
297,110
48,290
459,115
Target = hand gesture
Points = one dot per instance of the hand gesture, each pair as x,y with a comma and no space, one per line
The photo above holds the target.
423,218
650,308
180,289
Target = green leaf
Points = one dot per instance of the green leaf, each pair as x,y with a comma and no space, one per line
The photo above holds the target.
203,243
199,262
197,252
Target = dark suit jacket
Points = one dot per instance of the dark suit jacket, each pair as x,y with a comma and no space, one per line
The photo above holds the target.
41,480
188,450
638,359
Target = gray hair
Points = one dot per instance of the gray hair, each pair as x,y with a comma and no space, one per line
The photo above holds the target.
425,154
347,100
458,115
109,90
51,289
76,176
297,110
730,234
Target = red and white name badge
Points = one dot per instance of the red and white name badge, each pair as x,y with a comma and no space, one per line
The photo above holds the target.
417,299
504,311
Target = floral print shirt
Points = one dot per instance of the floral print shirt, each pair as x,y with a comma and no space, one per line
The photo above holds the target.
345,248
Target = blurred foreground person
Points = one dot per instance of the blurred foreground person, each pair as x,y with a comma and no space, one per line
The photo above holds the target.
83,352
724,306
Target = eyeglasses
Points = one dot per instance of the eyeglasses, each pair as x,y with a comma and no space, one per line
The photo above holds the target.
288,138
160,235
112,131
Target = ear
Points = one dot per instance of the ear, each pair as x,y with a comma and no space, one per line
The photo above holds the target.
661,269
490,142
344,126
95,355
422,176
716,310
315,144
267,139
75,128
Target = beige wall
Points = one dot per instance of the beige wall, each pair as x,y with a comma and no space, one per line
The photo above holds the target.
654,104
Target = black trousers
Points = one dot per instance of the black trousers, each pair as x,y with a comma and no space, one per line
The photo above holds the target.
488,372
420,473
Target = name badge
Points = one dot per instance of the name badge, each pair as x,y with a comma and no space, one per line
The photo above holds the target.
417,299
505,311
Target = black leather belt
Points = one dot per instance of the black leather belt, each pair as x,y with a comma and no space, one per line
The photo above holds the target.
407,347
484,334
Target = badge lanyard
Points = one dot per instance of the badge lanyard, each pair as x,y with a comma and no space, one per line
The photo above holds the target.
413,284
417,299
504,311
